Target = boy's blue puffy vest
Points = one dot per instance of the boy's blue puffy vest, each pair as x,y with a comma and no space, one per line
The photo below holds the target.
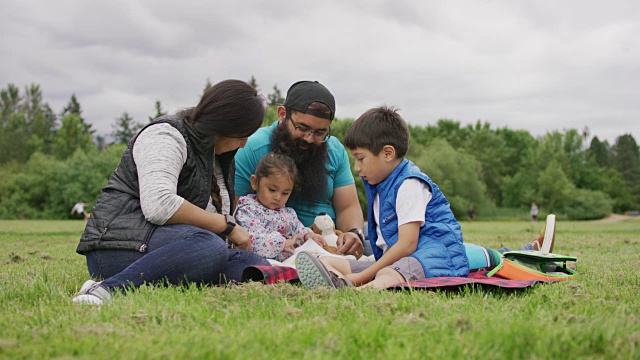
440,247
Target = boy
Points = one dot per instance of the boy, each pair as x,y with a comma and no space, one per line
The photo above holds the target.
413,233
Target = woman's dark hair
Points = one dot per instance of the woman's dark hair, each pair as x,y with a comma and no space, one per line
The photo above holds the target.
276,163
230,108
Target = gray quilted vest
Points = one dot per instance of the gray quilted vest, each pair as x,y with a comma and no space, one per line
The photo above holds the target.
117,221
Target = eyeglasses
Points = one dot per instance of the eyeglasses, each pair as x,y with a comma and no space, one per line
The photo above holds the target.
318,135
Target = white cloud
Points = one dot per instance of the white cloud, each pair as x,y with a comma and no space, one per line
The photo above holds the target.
539,66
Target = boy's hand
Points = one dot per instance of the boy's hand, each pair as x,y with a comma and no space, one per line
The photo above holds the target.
358,278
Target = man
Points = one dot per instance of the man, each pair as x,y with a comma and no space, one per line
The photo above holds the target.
326,184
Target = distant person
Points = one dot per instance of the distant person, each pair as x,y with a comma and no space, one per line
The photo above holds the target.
165,214
534,212
274,228
470,213
79,209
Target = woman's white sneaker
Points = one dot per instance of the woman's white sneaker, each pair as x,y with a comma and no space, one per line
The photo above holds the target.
92,293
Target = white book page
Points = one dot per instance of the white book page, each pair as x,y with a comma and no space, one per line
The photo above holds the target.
309,246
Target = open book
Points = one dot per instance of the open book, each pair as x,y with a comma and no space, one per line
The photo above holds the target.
309,246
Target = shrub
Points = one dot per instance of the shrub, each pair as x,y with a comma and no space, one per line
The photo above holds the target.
588,205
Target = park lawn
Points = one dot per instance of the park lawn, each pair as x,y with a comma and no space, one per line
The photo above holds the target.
596,315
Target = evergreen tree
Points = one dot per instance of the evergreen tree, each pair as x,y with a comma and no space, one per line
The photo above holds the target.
207,85
14,139
71,136
253,83
626,158
9,102
125,129
39,120
101,143
275,98
27,124
600,152
73,107
159,112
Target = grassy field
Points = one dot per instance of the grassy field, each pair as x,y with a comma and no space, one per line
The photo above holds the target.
597,315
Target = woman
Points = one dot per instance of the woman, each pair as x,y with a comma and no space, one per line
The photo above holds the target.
164,213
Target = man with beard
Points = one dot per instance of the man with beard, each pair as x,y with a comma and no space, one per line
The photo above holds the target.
326,184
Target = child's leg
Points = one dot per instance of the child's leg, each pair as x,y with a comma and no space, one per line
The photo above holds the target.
406,269
385,278
337,265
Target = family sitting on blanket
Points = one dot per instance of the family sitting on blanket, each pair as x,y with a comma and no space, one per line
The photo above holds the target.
412,230
164,215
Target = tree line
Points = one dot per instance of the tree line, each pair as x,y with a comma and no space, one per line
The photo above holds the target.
49,161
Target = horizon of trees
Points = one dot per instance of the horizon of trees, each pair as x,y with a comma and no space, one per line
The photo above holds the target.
49,161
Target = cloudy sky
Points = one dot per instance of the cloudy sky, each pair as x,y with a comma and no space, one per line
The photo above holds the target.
533,65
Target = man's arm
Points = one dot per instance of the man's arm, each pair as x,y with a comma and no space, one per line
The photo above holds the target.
349,216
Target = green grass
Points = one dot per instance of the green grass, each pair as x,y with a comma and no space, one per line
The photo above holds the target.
596,315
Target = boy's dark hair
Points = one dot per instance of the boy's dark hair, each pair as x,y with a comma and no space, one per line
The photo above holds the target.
377,128
276,163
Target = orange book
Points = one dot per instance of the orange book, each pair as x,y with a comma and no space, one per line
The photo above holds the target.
534,265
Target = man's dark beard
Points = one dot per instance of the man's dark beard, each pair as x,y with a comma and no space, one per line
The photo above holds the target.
312,173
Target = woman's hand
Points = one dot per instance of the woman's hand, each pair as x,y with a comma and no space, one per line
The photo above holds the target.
240,238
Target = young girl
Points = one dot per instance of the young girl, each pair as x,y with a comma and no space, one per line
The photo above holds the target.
274,228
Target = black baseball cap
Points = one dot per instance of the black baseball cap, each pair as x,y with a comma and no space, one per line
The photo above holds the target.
301,94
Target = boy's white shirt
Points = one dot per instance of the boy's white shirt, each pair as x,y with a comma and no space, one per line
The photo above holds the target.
412,200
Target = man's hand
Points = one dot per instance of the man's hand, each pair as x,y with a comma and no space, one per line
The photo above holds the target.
350,244
240,238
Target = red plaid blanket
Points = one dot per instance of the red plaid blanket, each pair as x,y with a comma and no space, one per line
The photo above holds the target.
275,274
270,274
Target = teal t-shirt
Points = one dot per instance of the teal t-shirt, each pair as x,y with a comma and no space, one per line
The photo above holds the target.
259,145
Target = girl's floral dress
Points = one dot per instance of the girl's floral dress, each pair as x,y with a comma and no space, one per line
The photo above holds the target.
268,228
